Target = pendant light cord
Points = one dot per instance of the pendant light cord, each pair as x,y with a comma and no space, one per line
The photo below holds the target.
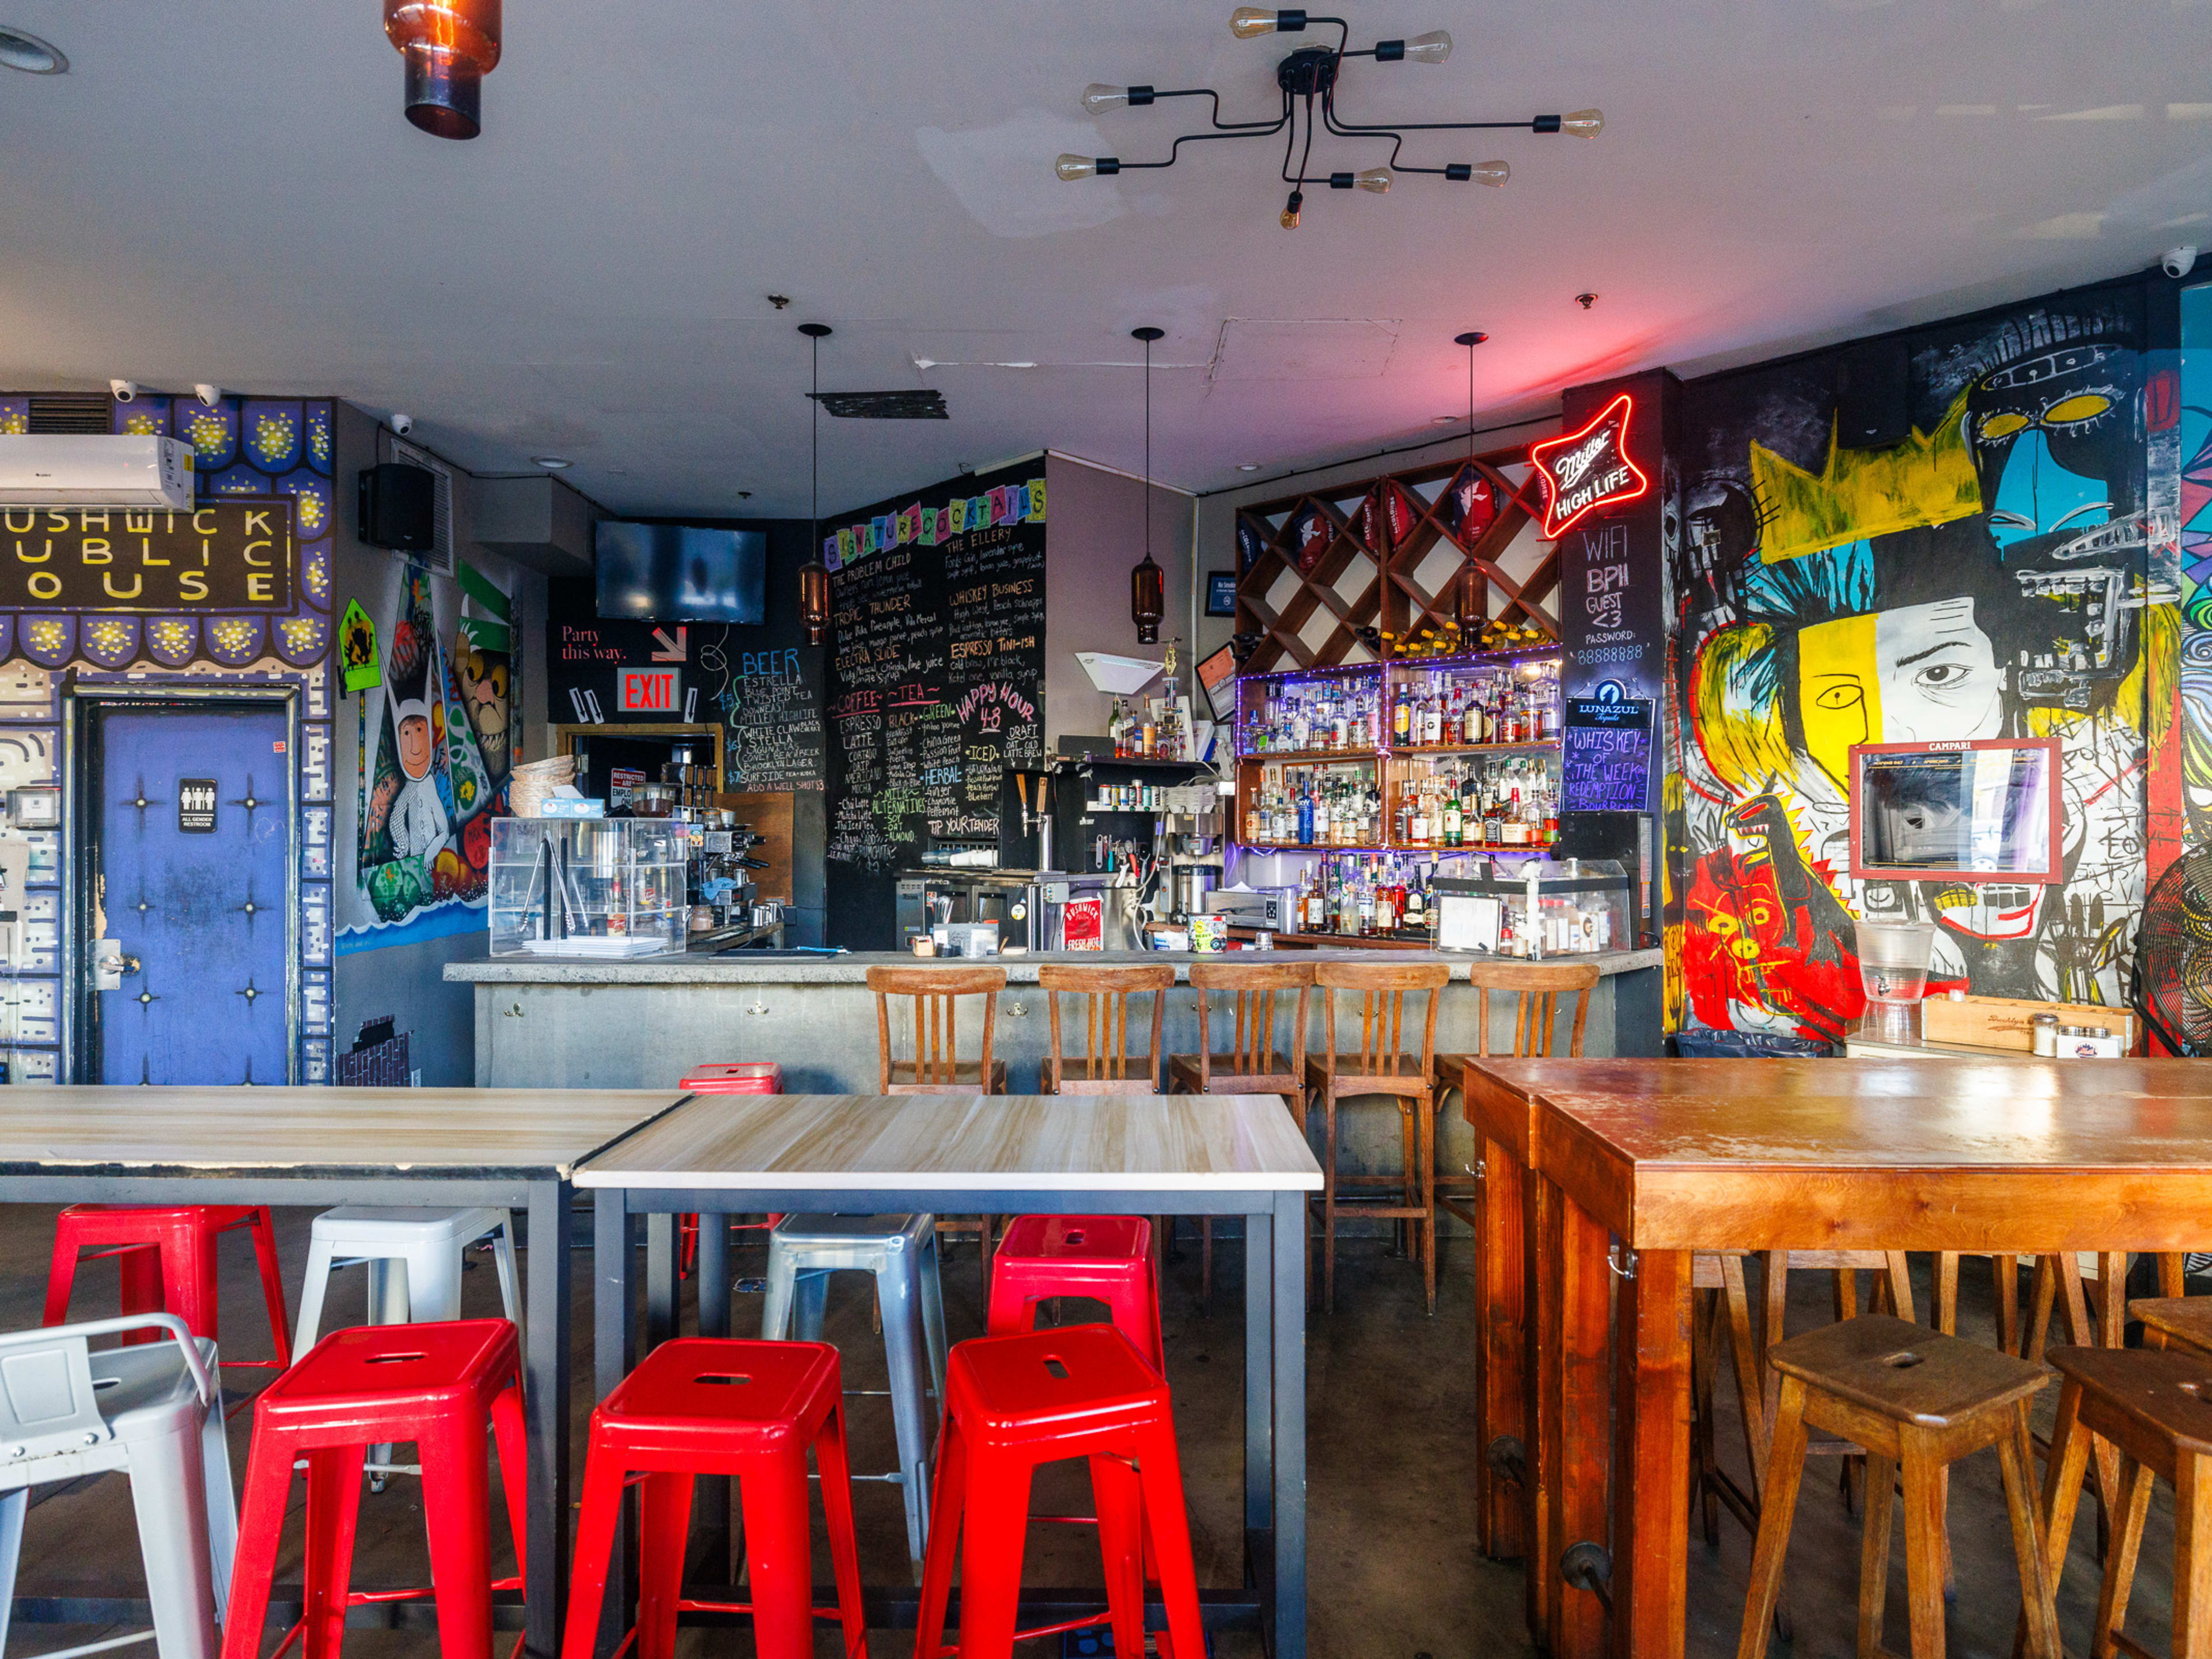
815,340
1470,401
1148,449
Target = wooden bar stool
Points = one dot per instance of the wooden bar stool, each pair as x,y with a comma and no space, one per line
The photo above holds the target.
1105,1065
2174,1321
1918,1401
1256,1061
1382,1066
2156,1406
936,1067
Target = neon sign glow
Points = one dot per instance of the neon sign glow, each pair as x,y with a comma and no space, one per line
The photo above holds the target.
1588,470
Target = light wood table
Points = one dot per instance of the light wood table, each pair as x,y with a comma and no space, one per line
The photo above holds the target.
504,1148
1008,1154
1645,1163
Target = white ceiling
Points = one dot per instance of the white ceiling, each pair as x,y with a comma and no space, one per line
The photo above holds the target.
227,190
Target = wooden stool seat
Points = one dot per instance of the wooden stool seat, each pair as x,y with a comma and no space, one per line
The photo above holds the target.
962,1077
1917,1401
2174,1321
2154,1405
1254,1065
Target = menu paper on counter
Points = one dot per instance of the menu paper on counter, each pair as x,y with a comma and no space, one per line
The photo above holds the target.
1083,924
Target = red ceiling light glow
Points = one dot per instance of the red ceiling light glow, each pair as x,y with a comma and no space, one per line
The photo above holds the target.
1588,470
449,46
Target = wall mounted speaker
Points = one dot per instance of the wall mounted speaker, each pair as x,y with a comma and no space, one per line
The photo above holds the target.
396,508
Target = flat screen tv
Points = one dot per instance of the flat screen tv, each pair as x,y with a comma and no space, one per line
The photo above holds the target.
682,572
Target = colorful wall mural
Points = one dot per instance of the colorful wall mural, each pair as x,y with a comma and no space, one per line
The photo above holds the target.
433,757
1982,576
2195,513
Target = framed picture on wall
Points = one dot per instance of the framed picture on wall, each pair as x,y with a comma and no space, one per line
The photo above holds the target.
1220,593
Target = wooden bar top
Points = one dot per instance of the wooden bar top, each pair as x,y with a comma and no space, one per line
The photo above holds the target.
953,1143
313,1131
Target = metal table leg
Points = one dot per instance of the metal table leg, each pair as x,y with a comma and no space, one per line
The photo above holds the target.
614,1344
1288,1403
545,1405
660,1285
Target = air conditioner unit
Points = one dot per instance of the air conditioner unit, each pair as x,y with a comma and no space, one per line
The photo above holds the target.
123,470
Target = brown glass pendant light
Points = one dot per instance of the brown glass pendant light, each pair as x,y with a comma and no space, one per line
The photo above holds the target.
449,46
1469,602
1147,586
814,575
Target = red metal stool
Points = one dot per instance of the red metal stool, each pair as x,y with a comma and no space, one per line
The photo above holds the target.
1012,1402
167,1258
726,1077
436,1384
1107,1258
714,1405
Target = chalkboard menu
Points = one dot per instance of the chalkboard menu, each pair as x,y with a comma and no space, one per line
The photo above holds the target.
769,688
1606,765
936,679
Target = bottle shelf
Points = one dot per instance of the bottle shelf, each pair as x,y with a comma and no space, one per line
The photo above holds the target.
1412,749
1470,847
1310,757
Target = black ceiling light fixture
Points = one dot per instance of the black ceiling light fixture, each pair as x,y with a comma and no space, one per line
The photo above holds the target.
1470,607
1147,586
814,575
1308,79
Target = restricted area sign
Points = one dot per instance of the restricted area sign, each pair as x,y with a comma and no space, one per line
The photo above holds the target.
649,691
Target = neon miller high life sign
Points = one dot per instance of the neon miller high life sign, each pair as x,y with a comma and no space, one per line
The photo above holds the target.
1589,469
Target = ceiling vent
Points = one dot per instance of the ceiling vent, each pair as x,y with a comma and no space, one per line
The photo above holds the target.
884,405
71,413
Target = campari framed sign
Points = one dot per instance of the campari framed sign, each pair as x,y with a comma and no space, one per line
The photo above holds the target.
1588,469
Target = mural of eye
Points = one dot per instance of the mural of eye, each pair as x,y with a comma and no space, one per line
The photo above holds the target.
1943,675
1994,427
1839,696
2081,406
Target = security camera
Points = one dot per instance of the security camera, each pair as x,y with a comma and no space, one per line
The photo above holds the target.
2179,262
402,423
208,393
123,391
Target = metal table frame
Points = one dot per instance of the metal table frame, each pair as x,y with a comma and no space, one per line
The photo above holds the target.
1273,1600
547,1199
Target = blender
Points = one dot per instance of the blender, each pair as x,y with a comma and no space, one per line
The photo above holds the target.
1893,959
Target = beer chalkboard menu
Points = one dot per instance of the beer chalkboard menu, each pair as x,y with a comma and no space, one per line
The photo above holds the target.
1606,764
936,678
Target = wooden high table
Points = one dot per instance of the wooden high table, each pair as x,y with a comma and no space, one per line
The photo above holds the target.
508,1149
1002,1154
1637,1165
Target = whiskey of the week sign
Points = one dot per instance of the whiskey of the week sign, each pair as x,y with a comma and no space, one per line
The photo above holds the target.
229,554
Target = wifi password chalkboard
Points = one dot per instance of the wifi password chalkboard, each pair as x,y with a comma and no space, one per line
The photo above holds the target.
1606,757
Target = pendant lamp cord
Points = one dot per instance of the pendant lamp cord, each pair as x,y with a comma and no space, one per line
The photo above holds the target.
1148,449
1470,402
815,340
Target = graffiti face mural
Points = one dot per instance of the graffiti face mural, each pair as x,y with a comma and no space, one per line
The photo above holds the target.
1982,578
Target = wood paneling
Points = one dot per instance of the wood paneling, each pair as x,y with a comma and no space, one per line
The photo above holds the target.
769,815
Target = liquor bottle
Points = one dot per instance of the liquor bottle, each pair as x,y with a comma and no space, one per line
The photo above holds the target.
1305,811
1402,718
1417,919
1453,823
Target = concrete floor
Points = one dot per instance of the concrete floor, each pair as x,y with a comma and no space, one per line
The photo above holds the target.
1393,1562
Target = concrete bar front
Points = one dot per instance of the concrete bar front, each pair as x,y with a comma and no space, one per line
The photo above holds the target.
555,1023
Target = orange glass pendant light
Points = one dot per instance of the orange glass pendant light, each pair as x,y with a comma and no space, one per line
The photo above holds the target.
449,46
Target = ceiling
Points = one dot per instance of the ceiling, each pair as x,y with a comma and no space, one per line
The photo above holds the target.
240,200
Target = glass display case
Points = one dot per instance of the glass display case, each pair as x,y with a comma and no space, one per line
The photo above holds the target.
608,887
1537,907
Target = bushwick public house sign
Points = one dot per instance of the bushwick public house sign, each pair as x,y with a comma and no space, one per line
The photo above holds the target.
227,554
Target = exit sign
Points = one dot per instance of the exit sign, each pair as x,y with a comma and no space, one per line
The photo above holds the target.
650,691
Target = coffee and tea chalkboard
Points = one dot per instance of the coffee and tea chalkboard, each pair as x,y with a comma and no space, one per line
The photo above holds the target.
936,680
1606,756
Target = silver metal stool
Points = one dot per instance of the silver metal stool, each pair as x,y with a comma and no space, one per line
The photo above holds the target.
415,1256
901,1251
154,1412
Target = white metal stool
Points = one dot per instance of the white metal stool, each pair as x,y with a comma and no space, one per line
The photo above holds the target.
153,1411
429,1245
901,1251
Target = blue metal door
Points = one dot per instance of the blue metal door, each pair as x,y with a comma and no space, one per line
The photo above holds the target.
190,830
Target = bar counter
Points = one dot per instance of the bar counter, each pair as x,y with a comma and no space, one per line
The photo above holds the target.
554,1023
